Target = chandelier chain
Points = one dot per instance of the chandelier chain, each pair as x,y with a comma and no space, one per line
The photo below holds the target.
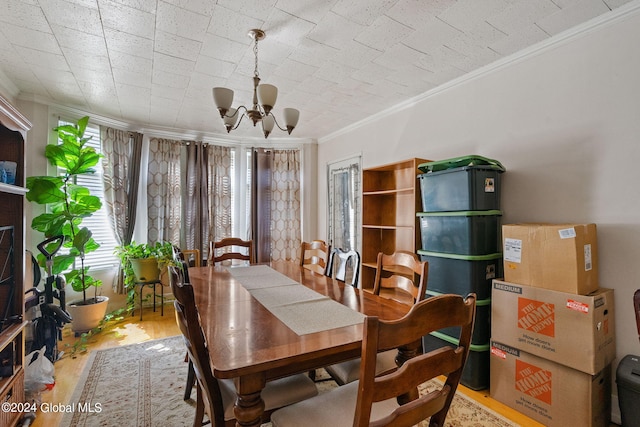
255,53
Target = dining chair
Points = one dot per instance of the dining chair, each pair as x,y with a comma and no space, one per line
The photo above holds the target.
393,398
314,255
228,249
216,397
340,261
400,276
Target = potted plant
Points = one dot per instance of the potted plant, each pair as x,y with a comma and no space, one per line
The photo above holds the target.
68,204
143,262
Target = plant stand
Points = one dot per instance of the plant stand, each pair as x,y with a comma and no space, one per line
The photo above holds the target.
152,283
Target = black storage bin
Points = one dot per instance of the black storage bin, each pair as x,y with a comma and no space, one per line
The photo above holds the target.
461,233
462,274
475,374
467,188
481,328
628,380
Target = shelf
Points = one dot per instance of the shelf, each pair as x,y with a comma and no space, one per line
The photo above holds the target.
389,192
13,189
387,227
10,333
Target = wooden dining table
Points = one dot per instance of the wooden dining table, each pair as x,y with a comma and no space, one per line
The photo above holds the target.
251,345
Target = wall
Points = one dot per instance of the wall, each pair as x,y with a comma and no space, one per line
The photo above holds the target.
565,122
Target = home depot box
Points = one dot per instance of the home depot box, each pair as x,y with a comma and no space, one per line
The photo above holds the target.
573,330
562,257
550,393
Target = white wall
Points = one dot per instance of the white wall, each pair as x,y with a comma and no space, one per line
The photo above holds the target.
565,122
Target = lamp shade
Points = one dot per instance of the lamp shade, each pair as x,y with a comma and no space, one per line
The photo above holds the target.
267,125
291,116
222,97
230,119
267,95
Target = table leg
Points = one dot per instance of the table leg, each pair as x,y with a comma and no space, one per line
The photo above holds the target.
249,407
405,353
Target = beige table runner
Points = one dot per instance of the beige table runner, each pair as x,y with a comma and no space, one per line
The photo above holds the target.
303,310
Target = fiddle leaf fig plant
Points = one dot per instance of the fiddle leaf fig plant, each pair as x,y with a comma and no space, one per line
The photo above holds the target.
68,204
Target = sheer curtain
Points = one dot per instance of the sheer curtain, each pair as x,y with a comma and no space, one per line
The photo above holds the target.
285,205
121,172
163,191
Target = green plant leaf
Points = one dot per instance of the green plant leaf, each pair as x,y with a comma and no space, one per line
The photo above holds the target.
43,191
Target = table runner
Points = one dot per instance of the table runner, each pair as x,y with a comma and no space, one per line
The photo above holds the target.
301,309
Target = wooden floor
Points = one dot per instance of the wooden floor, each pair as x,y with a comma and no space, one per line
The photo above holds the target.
131,330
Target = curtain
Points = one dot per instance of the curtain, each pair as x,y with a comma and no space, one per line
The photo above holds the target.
261,204
163,191
285,205
219,189
121,172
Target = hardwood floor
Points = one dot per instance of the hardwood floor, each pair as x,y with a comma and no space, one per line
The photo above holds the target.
131,330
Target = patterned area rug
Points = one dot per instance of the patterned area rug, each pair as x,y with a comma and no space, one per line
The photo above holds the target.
142,385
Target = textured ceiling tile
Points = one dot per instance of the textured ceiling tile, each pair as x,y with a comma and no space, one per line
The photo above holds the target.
79,40
144,5
514,42
309,10
295,71
214,67
397,55
45,60
25,37
363,12
384,32
80,63
181,22
172,80
122,76
165,92
23,14
252,8
72,15
333,72
572,15
202,7
133,94
131,44
313,53
372,73
286,28
414,13
466,13
522,14
121,17
125,61
222,48
356,55
232,25
172,64
436,33
335,30
179,47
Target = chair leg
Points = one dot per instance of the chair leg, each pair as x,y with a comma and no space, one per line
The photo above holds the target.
191,379
198,420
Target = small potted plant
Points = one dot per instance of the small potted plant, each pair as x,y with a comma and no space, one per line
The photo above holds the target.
143,262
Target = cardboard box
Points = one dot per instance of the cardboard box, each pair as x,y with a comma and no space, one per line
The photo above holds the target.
574,330
550,393
562,257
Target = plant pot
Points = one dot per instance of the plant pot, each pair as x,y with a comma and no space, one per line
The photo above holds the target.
145,269
87,316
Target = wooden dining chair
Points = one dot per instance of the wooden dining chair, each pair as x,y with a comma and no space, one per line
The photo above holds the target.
340,262
400,276
216,397
393,398
314,255
227,249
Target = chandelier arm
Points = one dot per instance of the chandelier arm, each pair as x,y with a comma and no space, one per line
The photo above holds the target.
276,122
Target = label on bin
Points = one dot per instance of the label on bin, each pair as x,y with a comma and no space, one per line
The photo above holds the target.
489,185
513,250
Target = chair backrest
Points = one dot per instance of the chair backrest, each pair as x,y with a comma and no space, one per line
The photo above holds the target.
396,277
314,255
228,248
186,255
424,317
188,321
339,260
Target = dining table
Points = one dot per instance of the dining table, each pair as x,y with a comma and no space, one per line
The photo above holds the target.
268,321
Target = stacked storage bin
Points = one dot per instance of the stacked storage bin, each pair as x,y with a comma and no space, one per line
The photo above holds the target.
460,230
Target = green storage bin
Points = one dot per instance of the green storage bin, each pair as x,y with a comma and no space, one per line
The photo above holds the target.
462,274
457,162
461,233
481,328
475,374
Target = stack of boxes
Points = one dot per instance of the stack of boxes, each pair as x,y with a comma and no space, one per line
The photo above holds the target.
552,334
460,233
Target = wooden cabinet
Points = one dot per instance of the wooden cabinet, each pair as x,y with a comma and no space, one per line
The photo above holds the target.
13,130
390,200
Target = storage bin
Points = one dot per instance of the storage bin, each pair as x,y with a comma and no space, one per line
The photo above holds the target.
461,233
462,274
481,328
474,186
475,374
628,380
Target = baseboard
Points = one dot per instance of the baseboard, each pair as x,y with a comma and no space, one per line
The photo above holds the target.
615,410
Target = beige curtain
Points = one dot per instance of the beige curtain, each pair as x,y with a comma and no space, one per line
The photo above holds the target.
219,189
285,205
163,191
121,172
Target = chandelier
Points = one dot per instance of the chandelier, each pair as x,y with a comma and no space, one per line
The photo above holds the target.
264,98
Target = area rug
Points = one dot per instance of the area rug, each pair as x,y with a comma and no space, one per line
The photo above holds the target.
142,385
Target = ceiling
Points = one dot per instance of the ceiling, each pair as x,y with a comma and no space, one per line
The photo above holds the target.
154,62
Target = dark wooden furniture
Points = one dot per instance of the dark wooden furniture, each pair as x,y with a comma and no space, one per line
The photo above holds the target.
390,199
215,396
401,276
254,346
228,253
13,131
393,398
314,255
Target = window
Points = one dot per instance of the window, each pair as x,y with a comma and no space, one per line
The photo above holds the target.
98,223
